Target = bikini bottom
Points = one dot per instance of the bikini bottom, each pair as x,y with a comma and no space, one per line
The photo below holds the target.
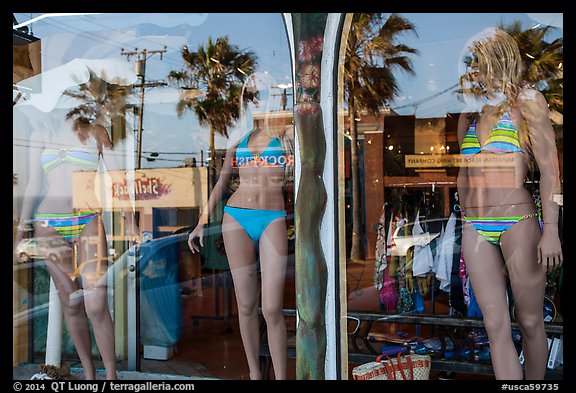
492,228
70,226
254,221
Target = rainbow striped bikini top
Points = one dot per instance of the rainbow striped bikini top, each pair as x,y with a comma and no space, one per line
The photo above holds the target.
503,139
82,156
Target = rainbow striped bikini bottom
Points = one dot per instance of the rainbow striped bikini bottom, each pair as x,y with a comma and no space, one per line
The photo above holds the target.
492,228
70,226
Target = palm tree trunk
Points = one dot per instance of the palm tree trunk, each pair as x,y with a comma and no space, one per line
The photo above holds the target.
212,162
356,251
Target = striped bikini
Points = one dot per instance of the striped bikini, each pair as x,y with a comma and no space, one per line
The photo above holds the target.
503,139
70,225
84,157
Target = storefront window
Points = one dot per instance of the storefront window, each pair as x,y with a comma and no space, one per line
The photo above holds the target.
129,131
449,176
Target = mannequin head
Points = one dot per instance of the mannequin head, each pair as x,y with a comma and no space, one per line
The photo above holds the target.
494,67
264,111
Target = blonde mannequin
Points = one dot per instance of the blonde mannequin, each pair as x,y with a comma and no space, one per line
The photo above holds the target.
502,239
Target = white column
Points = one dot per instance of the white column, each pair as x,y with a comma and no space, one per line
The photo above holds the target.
328,230
54,328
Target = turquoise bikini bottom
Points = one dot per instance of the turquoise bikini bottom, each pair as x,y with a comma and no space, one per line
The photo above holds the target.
254,221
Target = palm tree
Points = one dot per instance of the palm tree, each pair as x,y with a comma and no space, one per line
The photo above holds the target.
211,84
372,56
542,61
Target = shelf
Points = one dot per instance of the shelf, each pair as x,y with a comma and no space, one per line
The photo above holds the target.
455,366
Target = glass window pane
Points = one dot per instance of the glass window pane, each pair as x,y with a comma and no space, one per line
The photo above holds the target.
453,149
165,99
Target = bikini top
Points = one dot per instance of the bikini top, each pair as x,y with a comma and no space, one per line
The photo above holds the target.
272,155
84,157
503,139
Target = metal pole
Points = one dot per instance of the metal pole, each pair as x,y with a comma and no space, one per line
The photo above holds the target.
140,119
140,69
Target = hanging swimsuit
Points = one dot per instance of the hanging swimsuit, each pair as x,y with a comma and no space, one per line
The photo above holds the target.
255,221
70,225
503,139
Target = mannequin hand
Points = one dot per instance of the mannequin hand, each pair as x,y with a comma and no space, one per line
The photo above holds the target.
550,251
198,232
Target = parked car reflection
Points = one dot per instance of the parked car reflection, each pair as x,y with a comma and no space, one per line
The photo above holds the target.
54,248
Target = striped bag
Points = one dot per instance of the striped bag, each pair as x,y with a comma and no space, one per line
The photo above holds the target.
403,367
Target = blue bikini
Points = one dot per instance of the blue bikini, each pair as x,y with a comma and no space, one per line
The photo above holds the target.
273,155
255,221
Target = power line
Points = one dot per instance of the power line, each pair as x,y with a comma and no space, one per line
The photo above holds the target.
426,99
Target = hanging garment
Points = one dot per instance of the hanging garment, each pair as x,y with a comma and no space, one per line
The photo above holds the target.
423,258
419,305
405,301
389,293
465,280
456,299
445,251
389,238
380,262
395,258
473,307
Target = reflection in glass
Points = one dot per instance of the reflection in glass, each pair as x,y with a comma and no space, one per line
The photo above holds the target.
71,135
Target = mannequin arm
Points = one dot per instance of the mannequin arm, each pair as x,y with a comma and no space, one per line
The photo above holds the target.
215,196
535,110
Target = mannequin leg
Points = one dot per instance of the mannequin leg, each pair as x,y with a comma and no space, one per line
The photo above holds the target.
242,258
485,267
273,260
72,306
93,261
528,282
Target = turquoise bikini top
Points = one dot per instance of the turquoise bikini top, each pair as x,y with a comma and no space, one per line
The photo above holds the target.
82,156
272,155
503,139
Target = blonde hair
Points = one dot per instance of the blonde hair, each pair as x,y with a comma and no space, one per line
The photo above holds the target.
500,66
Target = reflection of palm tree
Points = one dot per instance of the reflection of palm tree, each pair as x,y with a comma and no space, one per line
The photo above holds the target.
100,103
211,84
542,60
372,56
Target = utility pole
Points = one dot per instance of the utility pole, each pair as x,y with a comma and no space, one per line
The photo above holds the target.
284,95
140,69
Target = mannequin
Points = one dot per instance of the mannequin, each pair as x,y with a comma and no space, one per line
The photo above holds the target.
502,237
60,147
254,231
